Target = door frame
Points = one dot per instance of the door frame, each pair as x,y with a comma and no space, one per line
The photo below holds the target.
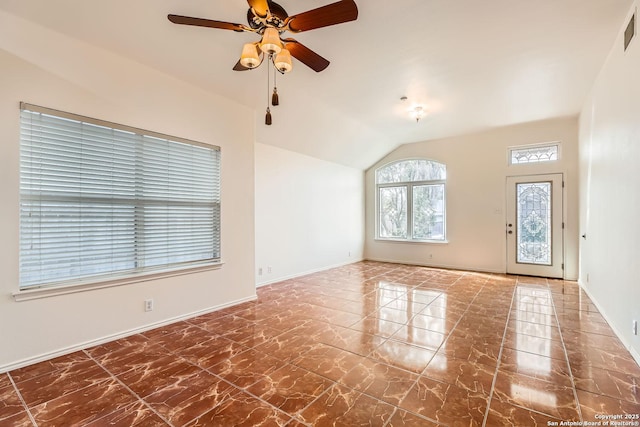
556,269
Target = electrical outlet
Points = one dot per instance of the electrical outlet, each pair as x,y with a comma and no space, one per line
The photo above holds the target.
148,305
260,271
269,270
635,327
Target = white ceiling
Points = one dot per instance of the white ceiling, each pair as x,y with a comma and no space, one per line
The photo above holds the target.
473,64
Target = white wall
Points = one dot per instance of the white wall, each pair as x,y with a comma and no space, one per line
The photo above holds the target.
309,214
610,190
45,68
476,181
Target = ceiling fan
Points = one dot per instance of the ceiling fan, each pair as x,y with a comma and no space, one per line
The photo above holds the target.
270,20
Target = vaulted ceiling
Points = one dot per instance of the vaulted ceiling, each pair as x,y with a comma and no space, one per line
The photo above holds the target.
473,65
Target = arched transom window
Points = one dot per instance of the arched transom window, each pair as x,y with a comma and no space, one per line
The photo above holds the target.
411,200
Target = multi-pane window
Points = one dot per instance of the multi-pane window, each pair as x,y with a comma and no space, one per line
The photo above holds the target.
100,200
534,154
411,201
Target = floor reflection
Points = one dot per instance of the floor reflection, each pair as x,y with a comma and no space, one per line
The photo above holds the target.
528,396
363,344
535,317
421,324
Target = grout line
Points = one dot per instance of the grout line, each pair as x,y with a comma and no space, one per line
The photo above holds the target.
310,287
246,391
504,337
435,353
24,404
128,389
566,358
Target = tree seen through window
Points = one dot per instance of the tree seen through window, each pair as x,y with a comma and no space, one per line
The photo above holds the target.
411,200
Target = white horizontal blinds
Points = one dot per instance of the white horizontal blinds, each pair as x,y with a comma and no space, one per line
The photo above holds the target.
97,200
180,195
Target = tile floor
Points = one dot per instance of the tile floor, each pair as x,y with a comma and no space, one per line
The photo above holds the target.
369,344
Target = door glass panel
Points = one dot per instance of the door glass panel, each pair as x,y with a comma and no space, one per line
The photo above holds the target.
533,215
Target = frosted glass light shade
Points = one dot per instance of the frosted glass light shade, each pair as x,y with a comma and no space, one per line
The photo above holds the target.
271,41
250,57
283,61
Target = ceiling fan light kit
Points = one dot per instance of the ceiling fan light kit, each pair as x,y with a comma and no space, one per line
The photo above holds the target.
250,57
283,61
271,44
270,21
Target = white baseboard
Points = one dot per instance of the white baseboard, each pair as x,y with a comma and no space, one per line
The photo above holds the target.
628,346
305,273
432,265
67,350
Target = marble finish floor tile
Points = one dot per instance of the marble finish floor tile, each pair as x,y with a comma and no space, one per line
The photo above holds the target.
327,361
384,382
366,344
403,418
242,410
190,397
135,415
604,382
537,366
290,388
594,405
557,401
10,403
63,381
471,376
446,403
342,406
83,406
503,414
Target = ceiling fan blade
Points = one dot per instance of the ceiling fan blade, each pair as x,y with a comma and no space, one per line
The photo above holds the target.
240,67
305,55
261,7
331,14
200,22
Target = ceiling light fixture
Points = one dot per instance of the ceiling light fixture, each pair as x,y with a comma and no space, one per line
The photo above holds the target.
250,57
272,48
269,20
270,43
417,112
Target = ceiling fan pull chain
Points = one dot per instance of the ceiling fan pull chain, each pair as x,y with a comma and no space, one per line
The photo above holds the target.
267,118
275,99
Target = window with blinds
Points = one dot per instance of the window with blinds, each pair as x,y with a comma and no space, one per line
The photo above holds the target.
100,200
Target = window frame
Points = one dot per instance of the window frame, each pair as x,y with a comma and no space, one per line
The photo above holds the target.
556,144
139,272
409,187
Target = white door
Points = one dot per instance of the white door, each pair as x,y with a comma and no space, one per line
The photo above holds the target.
534,225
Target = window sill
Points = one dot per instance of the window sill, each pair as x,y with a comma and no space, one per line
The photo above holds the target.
435,242
83,286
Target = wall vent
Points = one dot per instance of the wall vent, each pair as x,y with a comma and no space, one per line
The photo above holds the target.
630,31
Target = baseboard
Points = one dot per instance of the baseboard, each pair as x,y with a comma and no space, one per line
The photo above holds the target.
305,273
628,346
67,350
432,265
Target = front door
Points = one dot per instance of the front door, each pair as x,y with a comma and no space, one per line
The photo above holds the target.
534,225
